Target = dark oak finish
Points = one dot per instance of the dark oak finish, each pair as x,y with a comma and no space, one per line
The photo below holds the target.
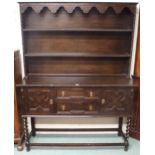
77,59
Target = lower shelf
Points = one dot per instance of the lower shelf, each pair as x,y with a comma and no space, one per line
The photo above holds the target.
75,129
75,144
69,144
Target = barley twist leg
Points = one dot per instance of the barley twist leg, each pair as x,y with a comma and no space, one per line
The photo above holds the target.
127,133
26,134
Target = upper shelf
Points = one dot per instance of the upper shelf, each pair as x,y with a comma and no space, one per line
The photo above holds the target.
77,30
85,55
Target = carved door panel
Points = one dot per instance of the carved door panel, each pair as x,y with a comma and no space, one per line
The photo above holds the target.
117,101
40,101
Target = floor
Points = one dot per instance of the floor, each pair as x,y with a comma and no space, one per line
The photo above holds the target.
134,148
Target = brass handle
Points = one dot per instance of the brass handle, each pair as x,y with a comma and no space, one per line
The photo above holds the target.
63,93
91,94
51,101
103,101
63,107
90,107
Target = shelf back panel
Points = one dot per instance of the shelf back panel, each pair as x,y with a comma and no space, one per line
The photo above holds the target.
77,66
78,42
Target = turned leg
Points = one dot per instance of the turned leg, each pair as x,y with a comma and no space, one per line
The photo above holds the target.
33,126
26,134
127,133
120,122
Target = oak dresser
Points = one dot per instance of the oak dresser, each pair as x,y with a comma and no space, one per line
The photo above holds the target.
77,60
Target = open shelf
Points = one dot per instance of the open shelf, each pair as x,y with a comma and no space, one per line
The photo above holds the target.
86,55
76,30
78,43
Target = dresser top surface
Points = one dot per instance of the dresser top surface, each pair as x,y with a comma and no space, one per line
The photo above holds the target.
76,81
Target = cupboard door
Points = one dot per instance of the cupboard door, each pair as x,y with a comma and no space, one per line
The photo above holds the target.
117,101
39,101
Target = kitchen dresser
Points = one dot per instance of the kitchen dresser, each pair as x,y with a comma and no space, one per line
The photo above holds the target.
77,61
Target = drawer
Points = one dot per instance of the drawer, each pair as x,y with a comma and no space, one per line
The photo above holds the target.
117,101
77,105
86,92
39,100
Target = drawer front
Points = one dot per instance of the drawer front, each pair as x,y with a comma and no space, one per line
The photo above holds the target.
83,92
77,100
77,105
116,101
39,100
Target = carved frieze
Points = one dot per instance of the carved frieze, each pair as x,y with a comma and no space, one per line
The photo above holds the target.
71,7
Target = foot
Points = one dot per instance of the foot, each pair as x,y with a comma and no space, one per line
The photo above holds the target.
19,147
126,146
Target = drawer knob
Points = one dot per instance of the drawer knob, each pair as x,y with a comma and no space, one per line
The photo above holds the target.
91,94
63,107
103,101
63,93
90,107
51,101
